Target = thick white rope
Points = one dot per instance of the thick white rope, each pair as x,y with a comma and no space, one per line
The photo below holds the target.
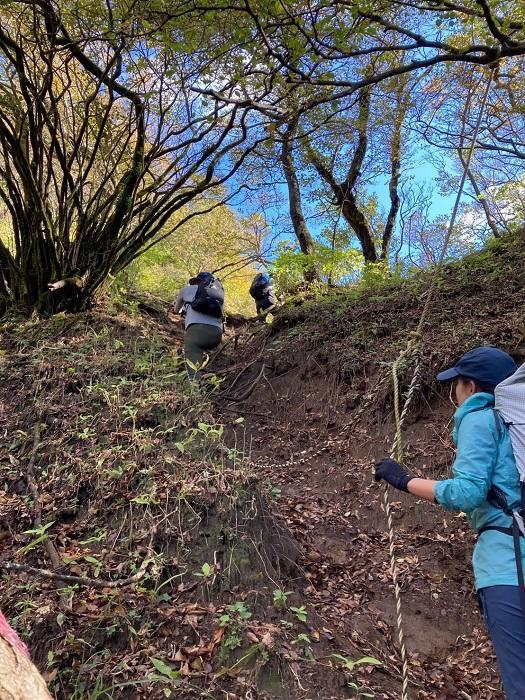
414,348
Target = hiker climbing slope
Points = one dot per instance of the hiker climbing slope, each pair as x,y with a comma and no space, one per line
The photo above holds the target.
263,292
486,486
201,303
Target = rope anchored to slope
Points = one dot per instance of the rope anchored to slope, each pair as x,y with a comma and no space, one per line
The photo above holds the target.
413,351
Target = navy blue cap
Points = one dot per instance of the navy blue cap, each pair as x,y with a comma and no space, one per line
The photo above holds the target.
486,365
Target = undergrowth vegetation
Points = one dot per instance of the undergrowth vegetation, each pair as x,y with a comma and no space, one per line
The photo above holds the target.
142,554
131,471
371,321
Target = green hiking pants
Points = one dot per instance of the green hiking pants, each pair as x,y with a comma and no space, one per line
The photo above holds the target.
200,337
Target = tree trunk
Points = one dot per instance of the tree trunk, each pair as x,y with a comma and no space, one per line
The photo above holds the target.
300,226
360,226
346,199
19,677
403,102
343,191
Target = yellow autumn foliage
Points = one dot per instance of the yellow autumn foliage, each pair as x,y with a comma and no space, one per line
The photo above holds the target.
217,240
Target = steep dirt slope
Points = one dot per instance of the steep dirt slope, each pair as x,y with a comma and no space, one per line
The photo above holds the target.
321,410
250,533
141,558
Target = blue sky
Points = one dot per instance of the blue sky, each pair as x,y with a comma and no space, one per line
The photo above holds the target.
278,216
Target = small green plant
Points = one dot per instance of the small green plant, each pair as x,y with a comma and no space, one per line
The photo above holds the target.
165,672
274,492
159,597
207,571
210,430
96,563
232,641
215,382
209,433
240,610
349,666
41,536
100,537
280,598
300,613
145,499
86,434
233,620
131,413
303,641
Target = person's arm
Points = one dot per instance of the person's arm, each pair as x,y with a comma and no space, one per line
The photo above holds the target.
400,478
476,457
178,303
472,470
423,488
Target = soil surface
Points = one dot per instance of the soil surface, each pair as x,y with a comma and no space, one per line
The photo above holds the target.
247,510
334,510
320,412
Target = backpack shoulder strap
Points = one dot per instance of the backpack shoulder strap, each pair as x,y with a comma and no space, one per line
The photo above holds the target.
499,422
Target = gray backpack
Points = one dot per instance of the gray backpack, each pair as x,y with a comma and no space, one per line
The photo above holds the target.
509,409
510,405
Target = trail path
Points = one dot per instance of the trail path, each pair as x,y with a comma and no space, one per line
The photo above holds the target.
333,508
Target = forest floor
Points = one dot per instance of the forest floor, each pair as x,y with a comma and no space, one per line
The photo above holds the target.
246,517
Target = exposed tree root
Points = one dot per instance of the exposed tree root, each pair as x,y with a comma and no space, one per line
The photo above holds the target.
247,392
82,580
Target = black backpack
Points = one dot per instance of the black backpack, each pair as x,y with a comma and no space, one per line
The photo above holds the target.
209,298
260,285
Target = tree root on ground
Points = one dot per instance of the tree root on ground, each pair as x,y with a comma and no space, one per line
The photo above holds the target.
82,580
247,392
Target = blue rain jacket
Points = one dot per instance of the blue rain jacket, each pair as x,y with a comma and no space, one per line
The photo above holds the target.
484,457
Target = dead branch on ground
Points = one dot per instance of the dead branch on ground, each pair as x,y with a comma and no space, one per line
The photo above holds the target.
82,580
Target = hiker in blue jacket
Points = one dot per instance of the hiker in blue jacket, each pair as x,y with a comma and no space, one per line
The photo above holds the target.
484,460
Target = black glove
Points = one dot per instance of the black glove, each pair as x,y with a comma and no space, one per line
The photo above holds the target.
393,473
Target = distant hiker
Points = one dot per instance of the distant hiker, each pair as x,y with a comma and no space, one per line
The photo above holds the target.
263,292
201,304
489,432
